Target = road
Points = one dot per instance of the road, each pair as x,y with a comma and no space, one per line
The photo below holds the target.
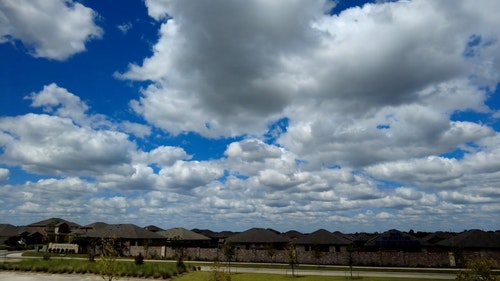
364,273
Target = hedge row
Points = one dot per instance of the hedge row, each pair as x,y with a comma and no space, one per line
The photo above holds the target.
123,269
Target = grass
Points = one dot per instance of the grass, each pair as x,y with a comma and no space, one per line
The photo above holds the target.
124,268
203,276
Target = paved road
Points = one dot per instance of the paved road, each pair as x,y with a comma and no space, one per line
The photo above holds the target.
319,272
22,276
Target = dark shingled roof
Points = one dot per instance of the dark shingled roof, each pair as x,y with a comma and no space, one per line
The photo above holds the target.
54,222
395,238
293,234
323,237
153,228
436,237
126,231
182,234
473,239
257,235
8,230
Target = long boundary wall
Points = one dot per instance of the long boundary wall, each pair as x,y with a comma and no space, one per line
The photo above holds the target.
399,259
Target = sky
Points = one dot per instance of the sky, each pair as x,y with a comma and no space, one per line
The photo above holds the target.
228,115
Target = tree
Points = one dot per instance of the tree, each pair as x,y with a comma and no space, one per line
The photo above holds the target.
178,245
478,270
291,254
107,263
351,250
146,245
229,253
218,273
271,251
317,252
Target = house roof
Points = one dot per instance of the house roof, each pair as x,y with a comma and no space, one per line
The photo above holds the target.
258,235
323,237
395,238
8,230
126,231
362,237
473,239
54,222
153,228
182,234
293,234
436,237
215,235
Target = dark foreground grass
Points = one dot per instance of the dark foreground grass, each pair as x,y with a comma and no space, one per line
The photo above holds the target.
124,268
203,276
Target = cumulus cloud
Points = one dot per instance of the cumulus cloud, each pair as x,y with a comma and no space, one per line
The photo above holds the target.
370,98
45,35
53,145
58,101
267,64
48,197
4,175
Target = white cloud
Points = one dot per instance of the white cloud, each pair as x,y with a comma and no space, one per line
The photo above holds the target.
183,176
163,156
48,197
45,35
251,150
124,27
369,98
4,174
56,100
51,145
304,64
425,172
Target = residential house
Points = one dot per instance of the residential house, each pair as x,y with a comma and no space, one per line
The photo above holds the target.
217,238
134,239
322,241
19,236
395,240
182,243
54,230
472,244
258,238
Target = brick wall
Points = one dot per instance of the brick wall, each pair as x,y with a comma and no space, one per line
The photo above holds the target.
399,259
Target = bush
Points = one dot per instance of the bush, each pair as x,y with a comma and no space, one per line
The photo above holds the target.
46,256
480,269
181,266
219,274
139,259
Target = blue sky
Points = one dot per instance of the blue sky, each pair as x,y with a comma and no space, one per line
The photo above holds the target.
228,115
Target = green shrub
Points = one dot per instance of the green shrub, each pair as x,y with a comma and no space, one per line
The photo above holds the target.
139,259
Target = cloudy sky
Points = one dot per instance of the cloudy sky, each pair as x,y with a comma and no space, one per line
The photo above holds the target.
227,115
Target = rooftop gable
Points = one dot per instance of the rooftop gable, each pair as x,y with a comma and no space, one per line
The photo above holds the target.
124,231
323,237
257,236
182,234
394,238
54,222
